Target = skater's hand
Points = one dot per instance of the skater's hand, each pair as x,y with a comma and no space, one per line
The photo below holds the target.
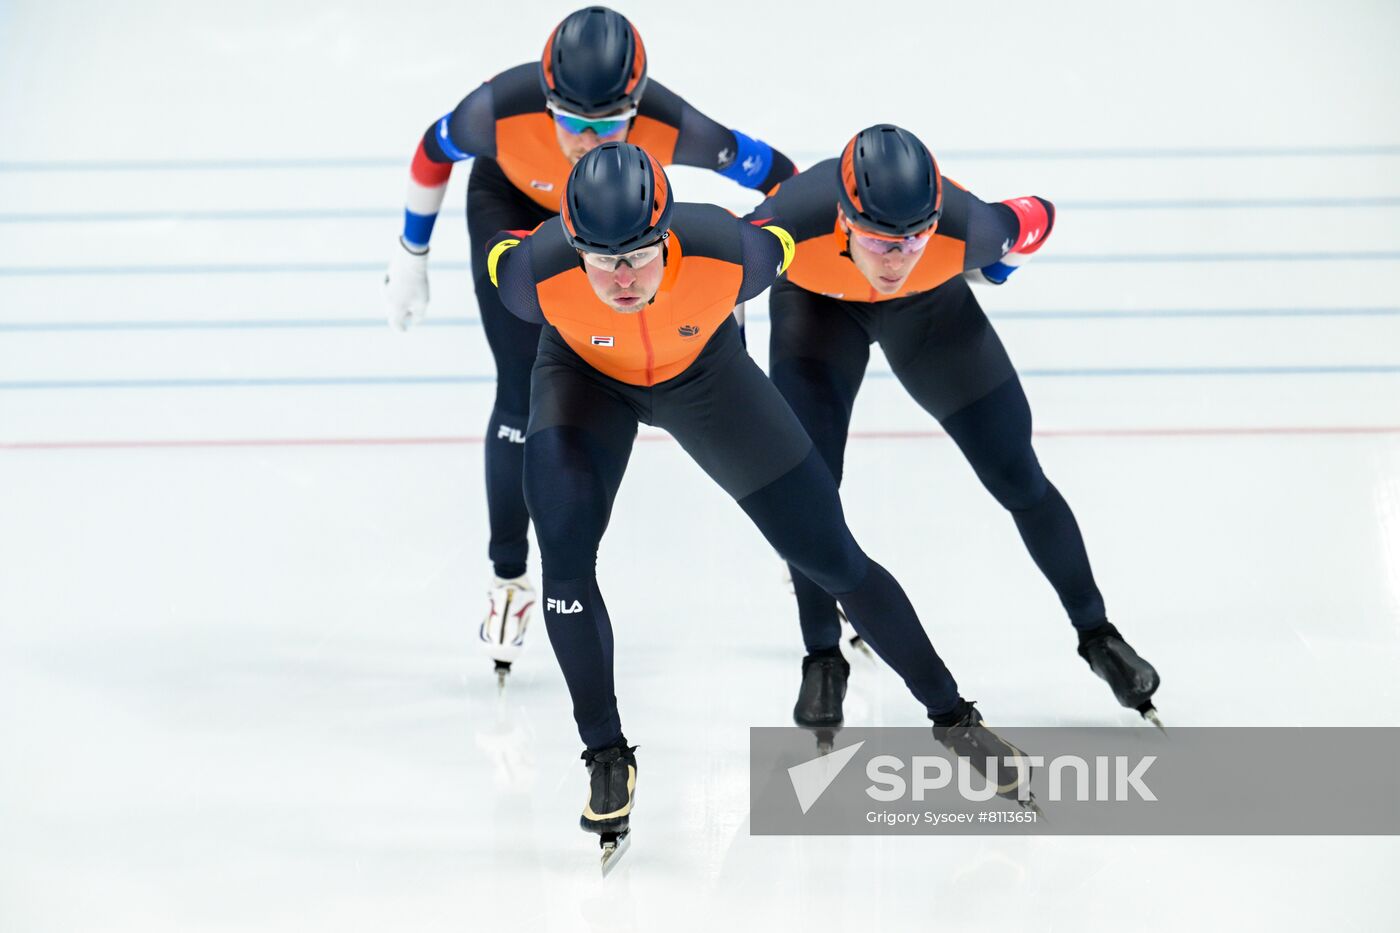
1035,219
406,287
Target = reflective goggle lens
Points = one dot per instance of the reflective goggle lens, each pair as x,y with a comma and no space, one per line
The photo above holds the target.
636,259
577,123
881,245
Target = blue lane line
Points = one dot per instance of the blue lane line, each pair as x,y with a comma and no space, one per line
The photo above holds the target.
289,268
1316,256
309,213
1129,204
1172,313
305,268
369,213
376,323
202,165
320,163
318,381
245,383
366,323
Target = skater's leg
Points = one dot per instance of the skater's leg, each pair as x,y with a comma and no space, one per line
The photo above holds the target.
994,433
800,515
493,204
951,361
768,464
817,356
576,452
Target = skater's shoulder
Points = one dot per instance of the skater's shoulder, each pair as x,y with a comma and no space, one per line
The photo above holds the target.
805,204
662,104
517,91
708,231
550,251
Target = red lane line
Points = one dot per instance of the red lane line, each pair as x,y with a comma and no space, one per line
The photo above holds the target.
1279,431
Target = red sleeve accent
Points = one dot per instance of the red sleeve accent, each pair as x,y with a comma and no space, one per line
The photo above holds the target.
428,173
761,221
1036,217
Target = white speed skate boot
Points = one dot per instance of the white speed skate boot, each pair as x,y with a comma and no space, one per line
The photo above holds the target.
509,605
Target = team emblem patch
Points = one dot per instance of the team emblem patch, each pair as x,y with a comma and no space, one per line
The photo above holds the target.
602,341
688,330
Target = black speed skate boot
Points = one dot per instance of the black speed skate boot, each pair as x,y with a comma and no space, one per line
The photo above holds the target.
1132,679
824,675
612,785
963,733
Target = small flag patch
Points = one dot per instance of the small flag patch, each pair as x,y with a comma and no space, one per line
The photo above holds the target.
602,341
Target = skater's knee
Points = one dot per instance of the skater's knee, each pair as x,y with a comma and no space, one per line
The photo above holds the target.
513,383
568,529
835,571
1016,481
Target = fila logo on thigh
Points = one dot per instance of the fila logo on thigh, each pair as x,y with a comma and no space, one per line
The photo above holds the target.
557,605
514,435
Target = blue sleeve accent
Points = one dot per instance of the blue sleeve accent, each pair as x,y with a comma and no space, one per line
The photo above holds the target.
443,134
751,163
998,272
418,228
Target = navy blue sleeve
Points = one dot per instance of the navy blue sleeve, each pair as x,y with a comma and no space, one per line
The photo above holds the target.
469,130
987,230
513,274
763,260
706,143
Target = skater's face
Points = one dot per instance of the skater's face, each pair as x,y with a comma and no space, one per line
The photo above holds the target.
628,282
885,263
578,134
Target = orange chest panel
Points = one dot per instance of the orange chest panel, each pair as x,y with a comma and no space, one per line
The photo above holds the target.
529,154
660,341
820,267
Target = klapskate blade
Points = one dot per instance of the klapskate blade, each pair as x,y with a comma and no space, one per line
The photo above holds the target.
1151,716
613,852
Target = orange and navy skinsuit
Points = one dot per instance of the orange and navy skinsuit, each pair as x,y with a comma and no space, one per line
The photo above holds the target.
941,348
505,120
713,262
677,364
517,178
971,236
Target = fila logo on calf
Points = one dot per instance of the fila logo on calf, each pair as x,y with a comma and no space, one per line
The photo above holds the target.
557,605
514,435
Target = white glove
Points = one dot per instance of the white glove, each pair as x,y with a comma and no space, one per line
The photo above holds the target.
406,287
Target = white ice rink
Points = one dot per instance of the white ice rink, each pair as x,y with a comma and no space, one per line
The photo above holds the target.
242,526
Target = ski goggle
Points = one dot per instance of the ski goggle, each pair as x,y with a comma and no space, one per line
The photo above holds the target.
635,259
880,244
577,124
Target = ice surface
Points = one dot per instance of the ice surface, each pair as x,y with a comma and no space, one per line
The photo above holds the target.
238,684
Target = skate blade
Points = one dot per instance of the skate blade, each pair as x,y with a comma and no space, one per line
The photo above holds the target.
502,675
825,737
613,850
859,644
1150,714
